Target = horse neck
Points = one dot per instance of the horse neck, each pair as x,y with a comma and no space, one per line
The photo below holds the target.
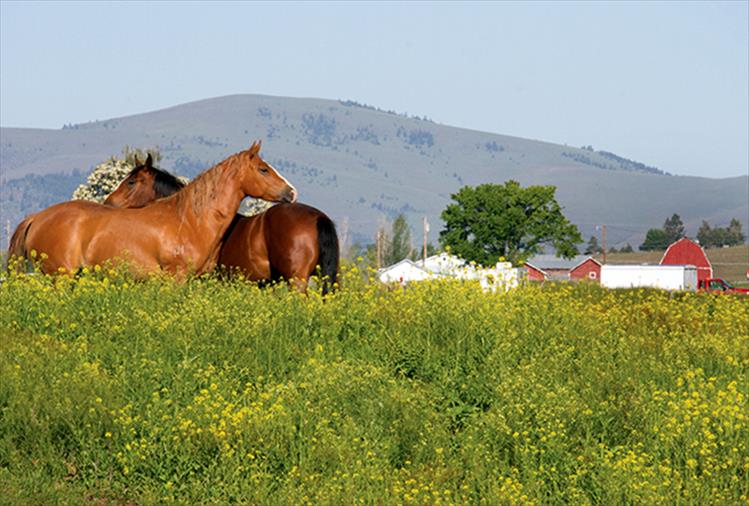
211,200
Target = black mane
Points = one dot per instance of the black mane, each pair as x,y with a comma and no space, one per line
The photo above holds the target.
165,184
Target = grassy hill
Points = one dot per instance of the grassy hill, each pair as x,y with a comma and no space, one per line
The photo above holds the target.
363,165
728,263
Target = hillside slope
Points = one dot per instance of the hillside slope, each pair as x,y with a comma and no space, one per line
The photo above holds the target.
362,165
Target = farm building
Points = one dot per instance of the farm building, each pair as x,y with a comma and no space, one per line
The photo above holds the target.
687,252
553,268
402,272
444,265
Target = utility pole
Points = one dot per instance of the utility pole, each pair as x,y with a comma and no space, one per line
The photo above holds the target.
603,241
381,240
7,232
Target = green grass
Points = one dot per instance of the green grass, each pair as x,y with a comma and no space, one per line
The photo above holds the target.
114,392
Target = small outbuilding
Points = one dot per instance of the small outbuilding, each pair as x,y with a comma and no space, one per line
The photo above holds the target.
687,252
553,268
403,272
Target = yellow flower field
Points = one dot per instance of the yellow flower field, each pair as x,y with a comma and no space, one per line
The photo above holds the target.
214,391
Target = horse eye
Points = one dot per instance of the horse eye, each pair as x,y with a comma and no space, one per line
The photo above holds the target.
263,169
131,183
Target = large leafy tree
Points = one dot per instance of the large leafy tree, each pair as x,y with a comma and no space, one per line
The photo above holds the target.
492,221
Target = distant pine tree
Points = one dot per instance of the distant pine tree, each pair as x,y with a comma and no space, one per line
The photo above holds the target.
656,239
627,248
674,228
593,248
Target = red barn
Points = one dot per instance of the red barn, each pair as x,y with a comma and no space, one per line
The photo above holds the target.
550,267
534,273
589,269
686,252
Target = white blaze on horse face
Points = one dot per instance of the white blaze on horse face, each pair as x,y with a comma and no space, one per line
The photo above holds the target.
294,193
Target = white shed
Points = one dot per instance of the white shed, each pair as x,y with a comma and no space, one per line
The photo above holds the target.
403,272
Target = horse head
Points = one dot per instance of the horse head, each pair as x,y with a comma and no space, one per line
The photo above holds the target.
261,181
142,185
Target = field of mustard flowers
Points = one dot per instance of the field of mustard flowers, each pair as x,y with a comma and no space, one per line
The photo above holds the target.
213,392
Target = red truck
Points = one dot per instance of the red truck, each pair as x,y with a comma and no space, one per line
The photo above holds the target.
719,285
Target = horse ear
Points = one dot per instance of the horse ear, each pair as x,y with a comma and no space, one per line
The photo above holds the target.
135,160
149,161
255,148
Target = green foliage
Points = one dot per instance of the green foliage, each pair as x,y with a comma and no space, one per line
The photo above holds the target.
655,239
660,238
211,392
732,235
674,228
593,247
399,245
492,221
627,248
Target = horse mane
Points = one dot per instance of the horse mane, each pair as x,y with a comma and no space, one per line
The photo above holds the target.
165,183
205,186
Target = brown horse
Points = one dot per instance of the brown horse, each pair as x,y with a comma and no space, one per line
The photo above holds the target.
288,241
180,234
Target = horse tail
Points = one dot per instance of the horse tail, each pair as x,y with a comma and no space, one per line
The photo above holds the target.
328,253
17,246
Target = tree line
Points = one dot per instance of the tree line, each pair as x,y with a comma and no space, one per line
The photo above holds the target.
707,236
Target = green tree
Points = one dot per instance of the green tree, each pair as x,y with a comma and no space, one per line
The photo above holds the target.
705,235
735,232
731,235
398,244
656,239
593,248
627,248
492,221
674,228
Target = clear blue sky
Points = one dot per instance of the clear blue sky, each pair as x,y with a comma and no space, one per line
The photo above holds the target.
666,84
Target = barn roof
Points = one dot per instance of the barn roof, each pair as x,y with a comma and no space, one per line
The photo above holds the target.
546,262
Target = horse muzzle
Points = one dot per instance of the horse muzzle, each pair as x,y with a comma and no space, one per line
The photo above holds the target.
289,195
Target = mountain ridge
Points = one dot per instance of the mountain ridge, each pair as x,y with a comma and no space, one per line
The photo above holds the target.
362,163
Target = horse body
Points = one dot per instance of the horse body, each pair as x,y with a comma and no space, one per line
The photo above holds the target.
279,243
288,241
87,233
178,234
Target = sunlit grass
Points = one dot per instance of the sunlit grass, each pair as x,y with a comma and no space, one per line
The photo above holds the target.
214,392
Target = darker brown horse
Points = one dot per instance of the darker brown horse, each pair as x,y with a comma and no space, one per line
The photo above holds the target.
180,234
288,241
